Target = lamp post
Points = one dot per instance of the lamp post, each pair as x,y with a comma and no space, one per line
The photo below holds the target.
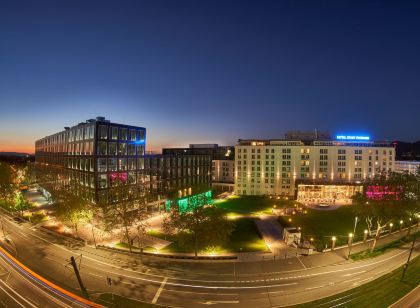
390,227
333,239
365,234
401,224
350,242
355,224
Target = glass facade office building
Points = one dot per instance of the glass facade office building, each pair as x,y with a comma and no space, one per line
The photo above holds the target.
97,154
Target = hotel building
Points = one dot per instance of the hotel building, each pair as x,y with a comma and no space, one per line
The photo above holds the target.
309,167
96,154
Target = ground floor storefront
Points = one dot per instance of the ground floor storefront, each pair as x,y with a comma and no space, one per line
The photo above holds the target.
329,194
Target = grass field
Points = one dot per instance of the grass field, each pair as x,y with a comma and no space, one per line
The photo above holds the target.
251,205
380,292
322,225
379,250
244,238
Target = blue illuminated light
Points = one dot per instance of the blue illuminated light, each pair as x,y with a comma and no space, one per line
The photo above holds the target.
139,141
353,138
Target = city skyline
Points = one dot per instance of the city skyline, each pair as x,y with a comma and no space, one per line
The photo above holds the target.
194,73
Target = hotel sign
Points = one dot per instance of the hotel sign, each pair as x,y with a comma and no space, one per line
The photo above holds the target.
353,138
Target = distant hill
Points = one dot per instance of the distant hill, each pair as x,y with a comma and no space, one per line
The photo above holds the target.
407,150
14,154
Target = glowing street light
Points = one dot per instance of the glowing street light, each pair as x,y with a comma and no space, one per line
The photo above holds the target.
350,242
401,224
365,234
390,227
333,242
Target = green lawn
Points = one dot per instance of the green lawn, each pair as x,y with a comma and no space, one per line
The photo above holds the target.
251,205
244,238
380,292
321,225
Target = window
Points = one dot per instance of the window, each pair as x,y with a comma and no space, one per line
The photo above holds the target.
122,163
122,148
131,149
101,150
102,165
103,132
140,149
123,133
133,135
103,181
112,164
114,133
112,148
132,164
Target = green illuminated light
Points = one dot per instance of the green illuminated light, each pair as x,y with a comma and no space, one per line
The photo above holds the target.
191,201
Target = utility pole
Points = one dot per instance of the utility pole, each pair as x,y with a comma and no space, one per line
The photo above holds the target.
409,257
79,279
109,281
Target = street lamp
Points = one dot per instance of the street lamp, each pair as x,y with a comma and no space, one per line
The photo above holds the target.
333,242
401,224
390,227
355,224
350,242
365,234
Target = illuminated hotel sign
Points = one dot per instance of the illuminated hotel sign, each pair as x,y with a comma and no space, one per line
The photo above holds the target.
353,138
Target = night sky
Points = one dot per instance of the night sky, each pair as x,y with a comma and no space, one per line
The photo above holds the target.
210,71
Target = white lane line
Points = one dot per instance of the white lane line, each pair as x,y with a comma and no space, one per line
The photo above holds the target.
205,293
313,288
17,294
309,275
357,283
12,297
304,266
34,283
155,299
351,274
354,279
92,274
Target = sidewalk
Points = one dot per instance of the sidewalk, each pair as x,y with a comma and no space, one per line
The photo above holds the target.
410,300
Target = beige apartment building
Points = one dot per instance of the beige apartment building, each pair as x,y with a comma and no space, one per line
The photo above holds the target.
309,169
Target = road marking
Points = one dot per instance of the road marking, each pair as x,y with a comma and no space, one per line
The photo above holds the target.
96,275
354,279
155,299
357,283
204,293
313,288
17,294
186,285
304,266
218,302
351,274
12,297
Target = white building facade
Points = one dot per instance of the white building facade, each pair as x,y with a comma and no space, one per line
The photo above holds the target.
409,166
278,167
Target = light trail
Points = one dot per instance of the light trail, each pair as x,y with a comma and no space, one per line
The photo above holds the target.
46,283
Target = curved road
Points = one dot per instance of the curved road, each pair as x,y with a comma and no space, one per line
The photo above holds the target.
272,283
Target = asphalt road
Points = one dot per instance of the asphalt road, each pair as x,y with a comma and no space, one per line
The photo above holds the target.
272,283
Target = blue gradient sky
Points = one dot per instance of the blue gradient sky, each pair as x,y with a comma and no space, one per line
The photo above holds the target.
209,71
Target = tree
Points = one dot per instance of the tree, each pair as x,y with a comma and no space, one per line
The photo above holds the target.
202,226
381,202
71,208
122,211
21,203
6,181
142,226
168,227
